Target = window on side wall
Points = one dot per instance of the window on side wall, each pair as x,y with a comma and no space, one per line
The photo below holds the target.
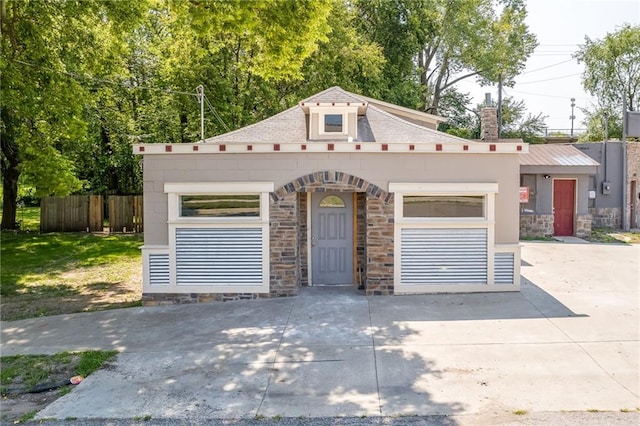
529,181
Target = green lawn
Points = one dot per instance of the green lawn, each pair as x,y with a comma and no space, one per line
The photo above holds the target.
28,218
607,235
48,274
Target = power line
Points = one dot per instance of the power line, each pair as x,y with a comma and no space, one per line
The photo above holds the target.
548,66
215,114
550,79
553,54
547,96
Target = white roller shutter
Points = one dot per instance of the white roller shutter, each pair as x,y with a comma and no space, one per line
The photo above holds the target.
219,256
158,269
443,256
504,268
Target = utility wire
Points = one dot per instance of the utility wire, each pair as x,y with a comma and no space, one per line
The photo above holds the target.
547,96
216,115
548,66
550,79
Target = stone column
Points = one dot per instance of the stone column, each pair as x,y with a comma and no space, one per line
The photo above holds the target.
283,247
379,246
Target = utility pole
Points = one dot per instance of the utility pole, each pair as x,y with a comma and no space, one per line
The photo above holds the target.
200,95
572,116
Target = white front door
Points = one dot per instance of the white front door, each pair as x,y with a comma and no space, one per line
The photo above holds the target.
332,238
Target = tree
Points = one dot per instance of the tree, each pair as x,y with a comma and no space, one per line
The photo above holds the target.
602,123
241,52
347,58
46,47
432,45
611,73
516,122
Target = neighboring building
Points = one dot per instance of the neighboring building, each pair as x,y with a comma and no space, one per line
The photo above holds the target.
606,207
338,190
632,218
556,191
609,184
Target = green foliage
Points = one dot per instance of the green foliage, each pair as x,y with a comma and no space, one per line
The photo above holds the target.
612,67
602,123
451,41
46,45
612,74
84,80
347,58
28,218
516,122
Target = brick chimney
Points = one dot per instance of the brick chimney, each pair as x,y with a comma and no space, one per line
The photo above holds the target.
489,121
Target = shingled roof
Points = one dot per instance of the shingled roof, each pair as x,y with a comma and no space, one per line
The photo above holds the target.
378,125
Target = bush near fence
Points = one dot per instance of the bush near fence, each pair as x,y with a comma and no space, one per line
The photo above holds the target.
80,213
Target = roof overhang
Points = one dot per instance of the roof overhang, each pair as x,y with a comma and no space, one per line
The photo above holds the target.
405,112
558,170
362,106
329,147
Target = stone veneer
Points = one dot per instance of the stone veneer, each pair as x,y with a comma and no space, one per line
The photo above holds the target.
373,205
288,239
536,225
541,225
583,225
606,217
633,174
379,246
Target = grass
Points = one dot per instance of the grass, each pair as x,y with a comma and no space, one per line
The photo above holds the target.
30,370
20,373
59,273
28,218
608,235
536,239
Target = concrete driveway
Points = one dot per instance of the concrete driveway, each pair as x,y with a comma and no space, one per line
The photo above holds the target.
569,341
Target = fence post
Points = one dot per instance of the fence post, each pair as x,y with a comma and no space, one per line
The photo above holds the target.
96,215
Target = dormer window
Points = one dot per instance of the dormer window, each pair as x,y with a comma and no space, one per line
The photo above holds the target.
333,123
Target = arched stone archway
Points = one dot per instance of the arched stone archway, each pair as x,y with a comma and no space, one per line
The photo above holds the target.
288,231
331,181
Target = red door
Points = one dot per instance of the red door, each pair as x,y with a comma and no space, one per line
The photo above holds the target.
564,201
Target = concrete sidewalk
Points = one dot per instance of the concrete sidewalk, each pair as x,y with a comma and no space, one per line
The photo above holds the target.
569,341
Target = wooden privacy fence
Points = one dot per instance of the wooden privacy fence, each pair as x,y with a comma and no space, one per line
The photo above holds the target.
125,213
77,213
74,213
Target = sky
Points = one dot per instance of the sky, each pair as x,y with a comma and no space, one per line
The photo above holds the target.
552,77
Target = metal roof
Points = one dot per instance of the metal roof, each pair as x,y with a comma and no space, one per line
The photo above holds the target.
555,155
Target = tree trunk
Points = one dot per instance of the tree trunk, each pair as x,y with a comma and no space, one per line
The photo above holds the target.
10,174
9,198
